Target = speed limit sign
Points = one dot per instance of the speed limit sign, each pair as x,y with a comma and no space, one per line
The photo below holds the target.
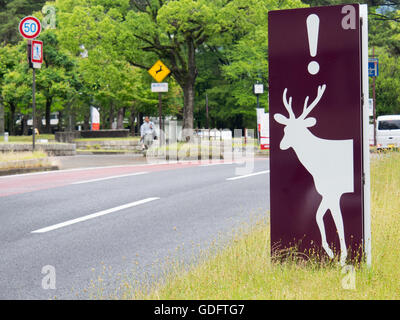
30,27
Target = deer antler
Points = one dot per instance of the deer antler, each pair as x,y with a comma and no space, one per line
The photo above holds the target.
307,110
287,105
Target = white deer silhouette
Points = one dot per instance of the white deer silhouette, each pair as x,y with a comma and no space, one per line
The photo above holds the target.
330,162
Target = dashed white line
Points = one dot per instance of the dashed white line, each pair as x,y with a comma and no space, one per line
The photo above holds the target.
94,215
112,177
248,175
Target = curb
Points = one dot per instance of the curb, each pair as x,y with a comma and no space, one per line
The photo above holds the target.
55,149
14,171
27,166
84,152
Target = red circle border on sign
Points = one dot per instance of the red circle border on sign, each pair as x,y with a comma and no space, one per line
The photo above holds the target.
35,34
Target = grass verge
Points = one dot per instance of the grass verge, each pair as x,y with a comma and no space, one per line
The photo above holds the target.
24,162
242,268
15,156
28,139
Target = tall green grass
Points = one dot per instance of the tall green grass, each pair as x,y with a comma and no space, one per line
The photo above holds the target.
242,269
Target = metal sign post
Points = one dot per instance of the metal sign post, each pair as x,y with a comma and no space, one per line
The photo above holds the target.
160,87
373,71
37,60
33,108
319,162
258,89
29,28
159,71
160,111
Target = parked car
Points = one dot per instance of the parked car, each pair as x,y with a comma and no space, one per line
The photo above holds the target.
388,131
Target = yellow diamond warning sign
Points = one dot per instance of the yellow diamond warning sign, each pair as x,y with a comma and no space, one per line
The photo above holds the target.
159,71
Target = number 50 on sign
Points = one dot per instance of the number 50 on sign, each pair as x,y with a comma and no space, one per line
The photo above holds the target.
30,27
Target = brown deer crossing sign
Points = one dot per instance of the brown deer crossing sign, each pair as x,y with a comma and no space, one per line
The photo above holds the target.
319,144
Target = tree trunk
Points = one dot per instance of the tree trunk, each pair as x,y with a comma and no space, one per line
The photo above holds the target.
103,119
60,121
140,119
11,125
1,117
86,125
188,101
120,118
111,116
38,121
188,90
71,122
24,124
132,120
47,115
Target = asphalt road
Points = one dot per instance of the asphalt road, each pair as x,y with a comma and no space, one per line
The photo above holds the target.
103,222
80,161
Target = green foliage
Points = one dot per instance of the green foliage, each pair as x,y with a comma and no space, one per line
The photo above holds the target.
109,81
384,38
241,62
14,83
384,30
101,50
388,84
11,13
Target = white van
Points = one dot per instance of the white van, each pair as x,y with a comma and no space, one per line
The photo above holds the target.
388,131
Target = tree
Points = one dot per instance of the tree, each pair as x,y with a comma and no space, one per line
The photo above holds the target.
228,70
383,27
111,83
174,31
388,84
53,80
182,33
12,11
14,83
57,77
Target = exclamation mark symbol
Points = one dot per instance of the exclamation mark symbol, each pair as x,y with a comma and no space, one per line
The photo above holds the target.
312,30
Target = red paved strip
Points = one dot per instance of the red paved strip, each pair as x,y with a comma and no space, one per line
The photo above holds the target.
17,184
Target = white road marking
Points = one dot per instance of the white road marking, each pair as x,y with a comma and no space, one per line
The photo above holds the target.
248,175
112,177
215,164
94,215
95,168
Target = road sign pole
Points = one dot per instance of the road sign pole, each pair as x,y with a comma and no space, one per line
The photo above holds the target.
159,71
160,114
30,27
258,106
258,89
33,108
374,108
373,97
